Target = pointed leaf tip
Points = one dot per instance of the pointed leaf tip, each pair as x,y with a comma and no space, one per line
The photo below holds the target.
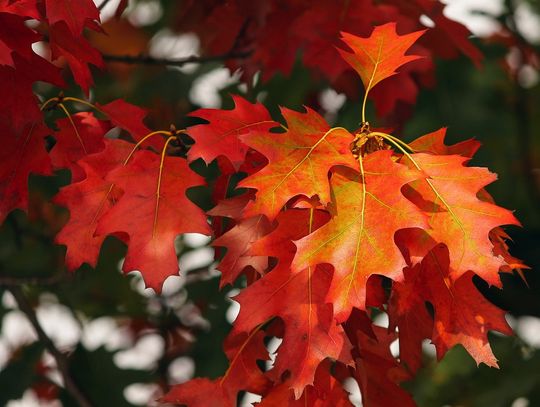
379,56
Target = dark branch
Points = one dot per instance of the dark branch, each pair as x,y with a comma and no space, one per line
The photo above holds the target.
51,280
102,5
61,360
148,60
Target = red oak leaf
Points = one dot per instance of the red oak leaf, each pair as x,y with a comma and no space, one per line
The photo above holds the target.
126,116
112,156
130,118
299,161
24,8
232,207
407,310
377,372
447,38
220,190
319,46
311,334
359,240
430,143
15,37
293,224
451,32
325,392
434,143
458,218
223,24
21,107
277,46
414,326
77,137
238,240
77,52
75,13
377,57
200,392
20,67
243,351
21,155
462,314
87,201
221,135
149,213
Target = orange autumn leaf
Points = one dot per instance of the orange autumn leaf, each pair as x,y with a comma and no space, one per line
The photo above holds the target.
299,161
465,322
311,334
379,56
359,240
243,350
457,217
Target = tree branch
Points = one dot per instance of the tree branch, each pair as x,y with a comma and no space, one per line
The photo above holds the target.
61,360
17,281
102,5
148,60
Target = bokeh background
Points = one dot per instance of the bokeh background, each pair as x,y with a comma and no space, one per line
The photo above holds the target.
129,344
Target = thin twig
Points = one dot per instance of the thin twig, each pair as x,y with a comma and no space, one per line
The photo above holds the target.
50,280
61,360
102,5
148,60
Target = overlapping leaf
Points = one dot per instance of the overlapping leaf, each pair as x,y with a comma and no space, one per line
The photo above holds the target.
377,372
76,14
22,154
152,212
461,314
292,224
77,52
359,240
221,135
130,118
457,217
243,351
326,392
80,135
20,66
88,200
299,161
311,334
238,240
